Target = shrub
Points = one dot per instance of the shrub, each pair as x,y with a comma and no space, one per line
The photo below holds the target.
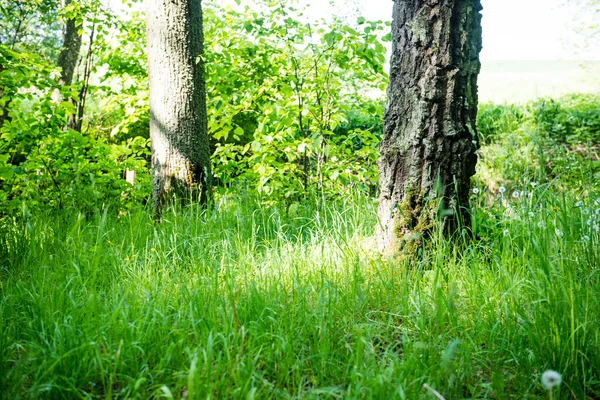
572,119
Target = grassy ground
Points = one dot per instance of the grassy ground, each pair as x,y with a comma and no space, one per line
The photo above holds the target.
252,301
248,302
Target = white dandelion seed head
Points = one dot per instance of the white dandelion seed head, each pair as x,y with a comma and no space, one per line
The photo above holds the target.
585,238
558,232
586,211
501,189
540,224
551,379
579,204
597,212
506,232
533,184
531,214
475,190
515,194
597,202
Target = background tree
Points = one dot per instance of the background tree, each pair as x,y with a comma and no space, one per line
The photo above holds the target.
586,29
178,126
71,33
428,150
30,26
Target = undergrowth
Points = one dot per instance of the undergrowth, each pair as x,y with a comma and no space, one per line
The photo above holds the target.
254,299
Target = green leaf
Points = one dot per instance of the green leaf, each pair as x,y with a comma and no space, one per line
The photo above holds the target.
238,132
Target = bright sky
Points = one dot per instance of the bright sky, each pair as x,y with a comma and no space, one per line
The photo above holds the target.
512,29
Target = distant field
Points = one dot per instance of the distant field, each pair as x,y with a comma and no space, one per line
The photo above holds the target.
519,81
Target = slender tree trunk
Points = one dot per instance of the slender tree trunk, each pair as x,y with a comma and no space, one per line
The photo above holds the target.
76,120
428,152
67,60
69,54
178,125
4,109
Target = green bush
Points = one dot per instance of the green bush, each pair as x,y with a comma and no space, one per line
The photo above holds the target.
539,141
43,164
572,119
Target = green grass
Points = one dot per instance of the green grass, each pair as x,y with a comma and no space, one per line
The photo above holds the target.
246,301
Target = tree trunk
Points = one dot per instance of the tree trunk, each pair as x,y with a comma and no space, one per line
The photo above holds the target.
69,53
178,125
428,152
4,109
76,120
68,58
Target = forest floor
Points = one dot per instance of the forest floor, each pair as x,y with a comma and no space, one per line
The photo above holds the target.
247,300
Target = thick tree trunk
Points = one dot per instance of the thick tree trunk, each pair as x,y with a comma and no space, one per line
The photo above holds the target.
178,126
69,53
428,152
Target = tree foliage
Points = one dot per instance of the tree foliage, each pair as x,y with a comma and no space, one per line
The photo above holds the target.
279,92
293,105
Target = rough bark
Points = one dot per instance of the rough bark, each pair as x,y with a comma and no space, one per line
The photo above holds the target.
428,152
178,125
69,53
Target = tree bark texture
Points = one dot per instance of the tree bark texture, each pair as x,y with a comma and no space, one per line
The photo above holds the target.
428,151
69,53
178,125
